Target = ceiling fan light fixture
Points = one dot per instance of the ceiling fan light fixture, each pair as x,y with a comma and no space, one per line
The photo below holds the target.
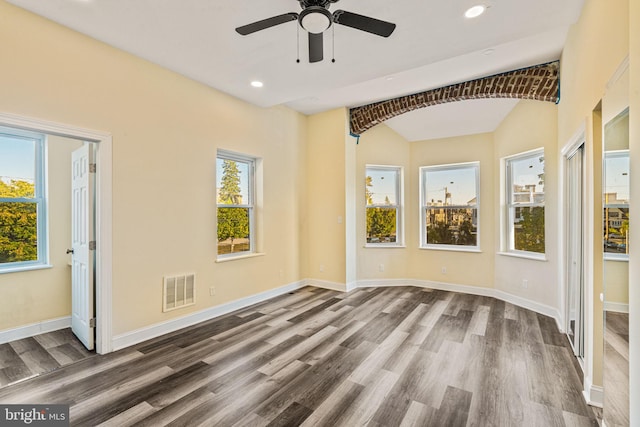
475,11
315,19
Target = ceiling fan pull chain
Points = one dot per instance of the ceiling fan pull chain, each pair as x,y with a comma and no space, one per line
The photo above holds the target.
333,44
298,41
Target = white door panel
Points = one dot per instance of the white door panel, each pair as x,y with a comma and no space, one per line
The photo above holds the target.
82,280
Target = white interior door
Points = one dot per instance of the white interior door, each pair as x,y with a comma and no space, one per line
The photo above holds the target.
82,277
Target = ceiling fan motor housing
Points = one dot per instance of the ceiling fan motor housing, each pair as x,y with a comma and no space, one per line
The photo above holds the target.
321,3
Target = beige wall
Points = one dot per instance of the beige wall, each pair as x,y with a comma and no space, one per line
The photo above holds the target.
382,146
45,294
634,257
529,126
463,268
166,130
324,223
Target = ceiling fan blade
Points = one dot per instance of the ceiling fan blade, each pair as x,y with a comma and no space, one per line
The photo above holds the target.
364,23
266,23
316,47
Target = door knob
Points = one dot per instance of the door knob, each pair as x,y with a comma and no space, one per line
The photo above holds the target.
69,251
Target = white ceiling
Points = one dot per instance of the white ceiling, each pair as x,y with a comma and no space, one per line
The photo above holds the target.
433,45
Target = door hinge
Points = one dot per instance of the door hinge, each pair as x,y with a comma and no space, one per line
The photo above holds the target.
92,245
92,322
92,167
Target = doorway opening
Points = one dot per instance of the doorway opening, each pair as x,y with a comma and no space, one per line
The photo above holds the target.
102,245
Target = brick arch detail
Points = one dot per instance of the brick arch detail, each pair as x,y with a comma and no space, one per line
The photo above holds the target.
540,82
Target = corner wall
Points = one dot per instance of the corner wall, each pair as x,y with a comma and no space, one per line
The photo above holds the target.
529,126
166,129
595,47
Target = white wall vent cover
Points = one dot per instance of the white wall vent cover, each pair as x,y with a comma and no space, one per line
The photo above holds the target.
179,291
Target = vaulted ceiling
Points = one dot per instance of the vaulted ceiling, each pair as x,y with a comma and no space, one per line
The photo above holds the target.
434,45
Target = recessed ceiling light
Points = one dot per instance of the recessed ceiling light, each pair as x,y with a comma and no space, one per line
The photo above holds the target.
475,11
488,52
257,83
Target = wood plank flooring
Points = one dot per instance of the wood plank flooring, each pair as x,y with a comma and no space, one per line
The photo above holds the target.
398,356
29,357
616,369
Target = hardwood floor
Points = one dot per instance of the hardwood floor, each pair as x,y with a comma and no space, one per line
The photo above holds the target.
29,357
616,370
399,356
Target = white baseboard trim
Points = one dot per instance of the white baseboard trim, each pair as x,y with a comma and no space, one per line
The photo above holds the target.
33,329
617,307
139,335
334,286
593,394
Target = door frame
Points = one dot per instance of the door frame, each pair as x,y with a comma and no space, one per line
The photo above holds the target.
103,214
576,149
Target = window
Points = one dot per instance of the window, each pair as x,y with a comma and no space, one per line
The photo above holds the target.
235,199
23,213
450,206
383,190
525,202
616,204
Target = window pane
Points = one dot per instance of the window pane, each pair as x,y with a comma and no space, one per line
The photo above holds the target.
451,187
616,230
527,180
232,182
233,230
17,166
18,232
616,180
528,229
381,187
452,226
381,225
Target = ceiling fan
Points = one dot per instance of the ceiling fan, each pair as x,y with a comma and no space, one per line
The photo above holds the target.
315,18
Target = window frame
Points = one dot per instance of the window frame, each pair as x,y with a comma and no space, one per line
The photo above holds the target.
424,244
510,206
251,195
399,189
40,198
612,256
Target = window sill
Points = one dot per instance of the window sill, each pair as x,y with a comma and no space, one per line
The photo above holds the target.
25,268
451,249
616,257
525,255
383,246
238,257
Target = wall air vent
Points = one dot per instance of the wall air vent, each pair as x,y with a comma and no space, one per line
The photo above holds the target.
179,291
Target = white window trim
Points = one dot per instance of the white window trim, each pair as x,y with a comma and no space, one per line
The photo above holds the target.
399,243
507,228
423,207
40,198
242,158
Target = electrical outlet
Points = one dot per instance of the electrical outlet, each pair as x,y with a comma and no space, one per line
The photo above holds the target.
321,268
212,290
381,268
444,270
525,283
